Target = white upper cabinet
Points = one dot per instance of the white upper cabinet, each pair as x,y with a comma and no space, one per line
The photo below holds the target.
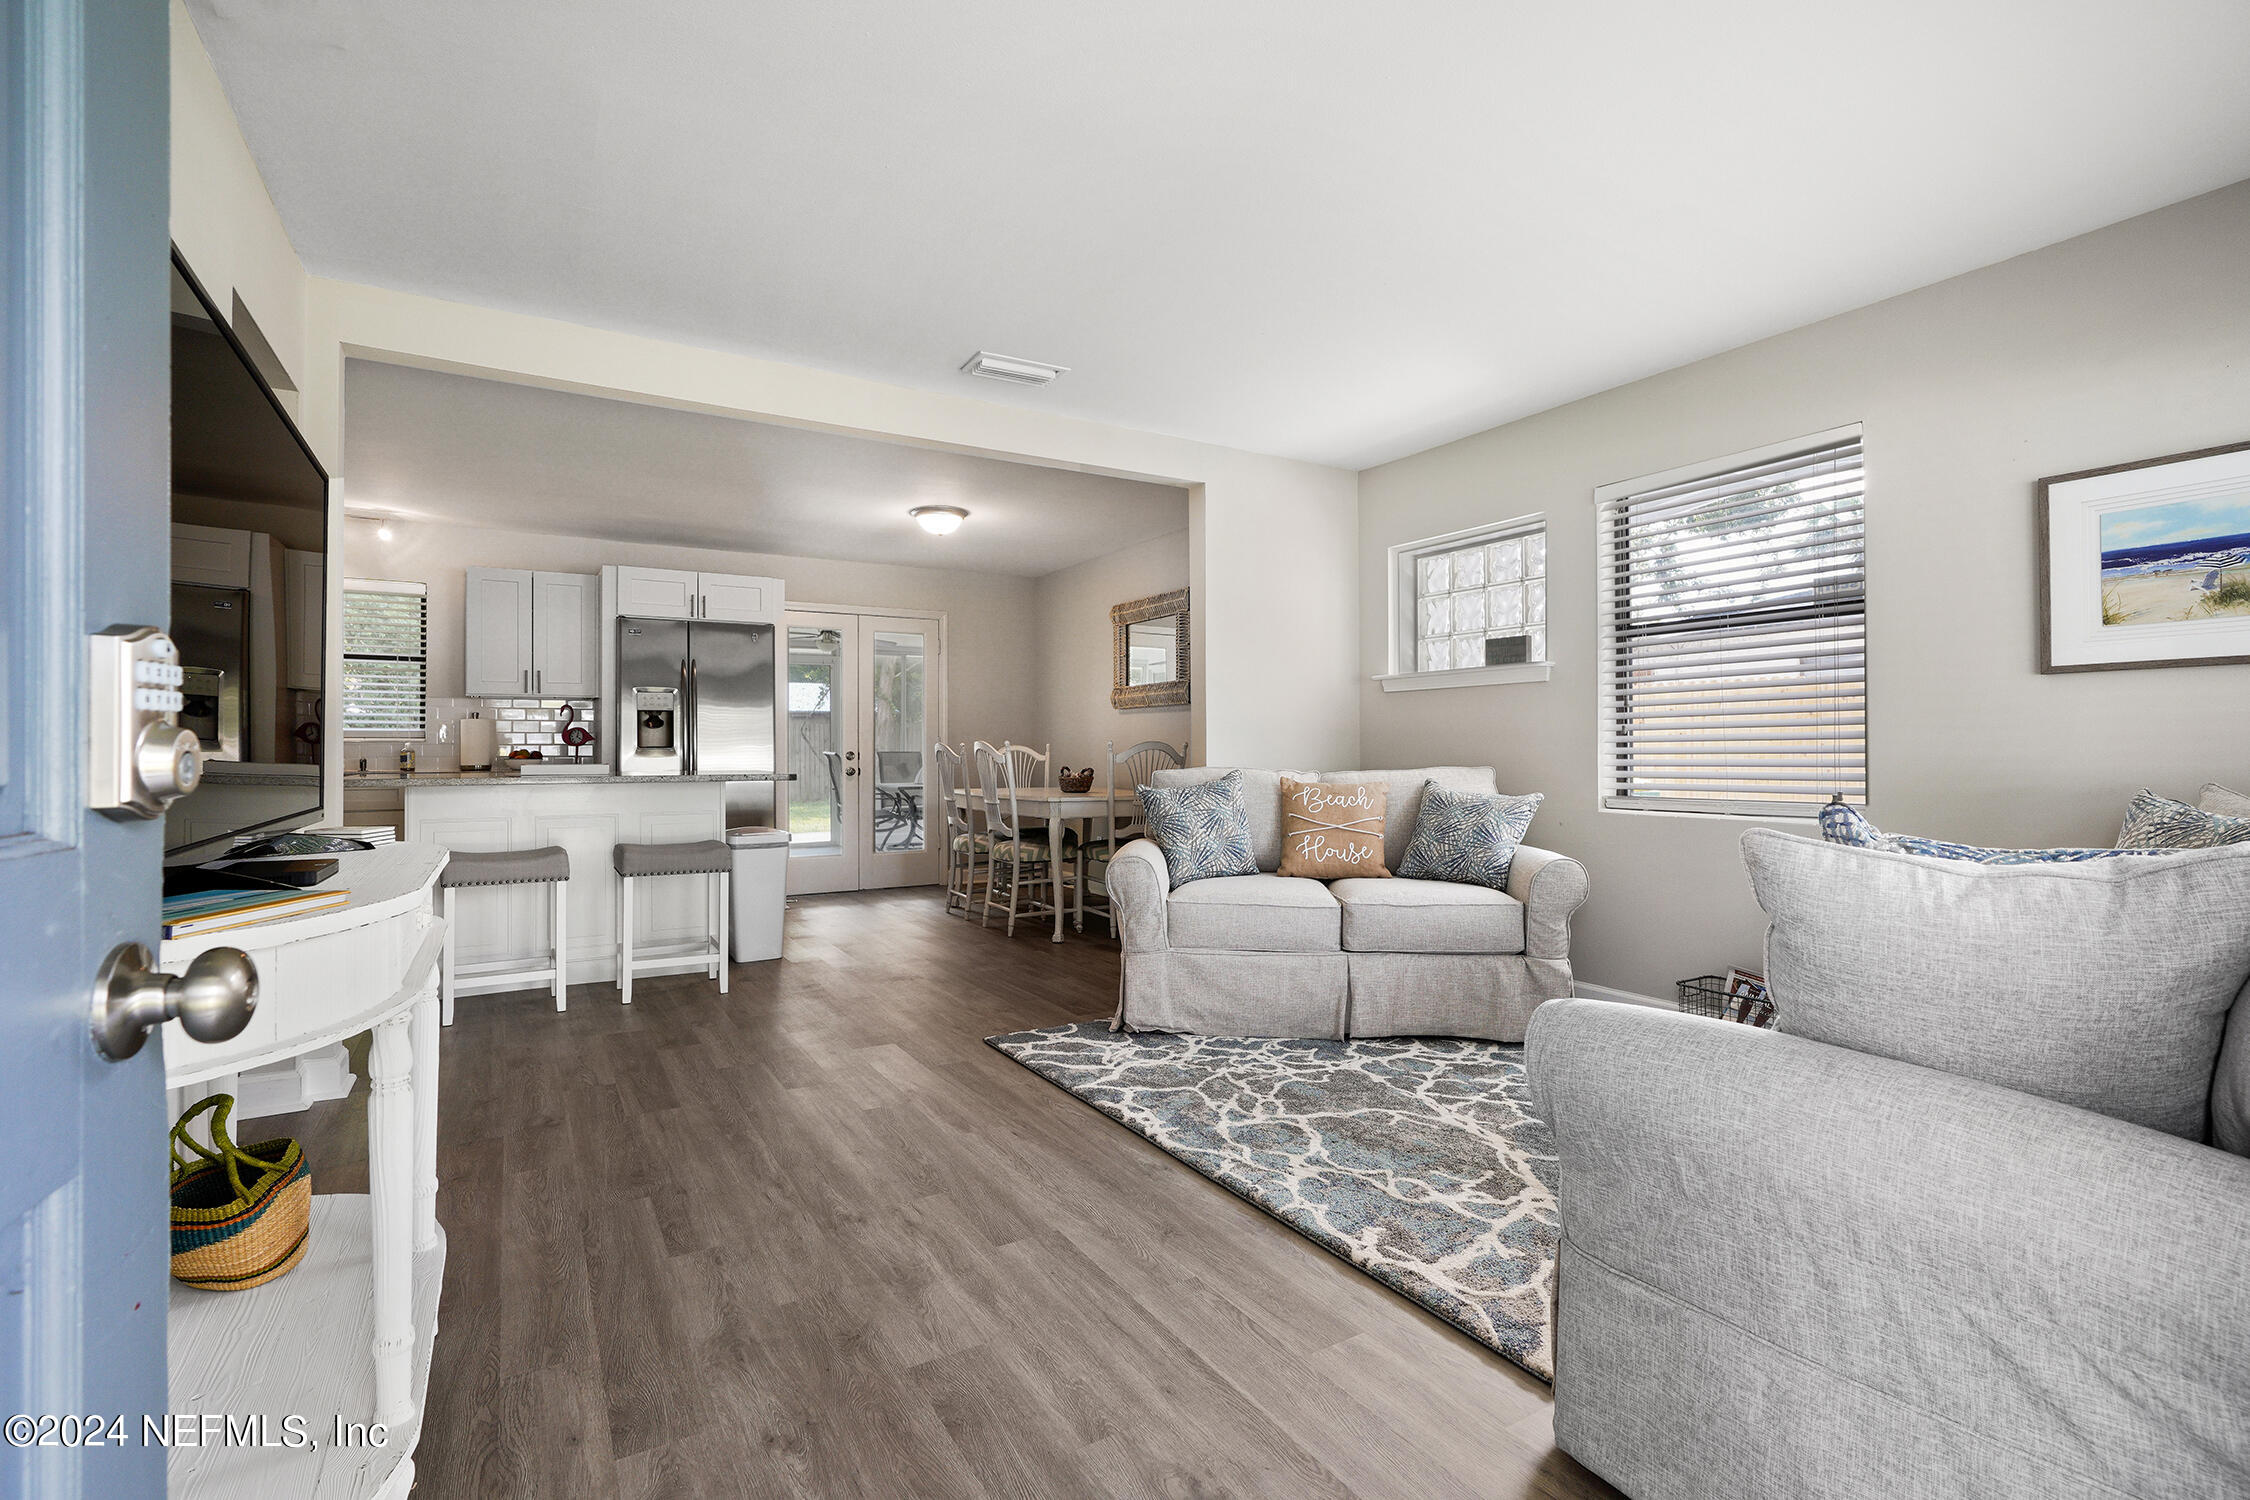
729,596
496,629
656,594
668,594
532,634
215,556
304,599
566,644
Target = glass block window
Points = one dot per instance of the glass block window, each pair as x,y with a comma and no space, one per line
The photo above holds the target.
1476,599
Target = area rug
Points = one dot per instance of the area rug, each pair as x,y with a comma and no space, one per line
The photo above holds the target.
1419,1161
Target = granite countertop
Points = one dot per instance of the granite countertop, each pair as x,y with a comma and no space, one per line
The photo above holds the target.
541,778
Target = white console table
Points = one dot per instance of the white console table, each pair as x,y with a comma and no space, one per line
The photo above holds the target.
344,1337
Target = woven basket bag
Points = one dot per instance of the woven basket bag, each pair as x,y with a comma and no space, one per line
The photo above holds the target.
240,1215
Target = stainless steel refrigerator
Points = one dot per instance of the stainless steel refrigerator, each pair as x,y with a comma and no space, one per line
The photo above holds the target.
722,676
211,626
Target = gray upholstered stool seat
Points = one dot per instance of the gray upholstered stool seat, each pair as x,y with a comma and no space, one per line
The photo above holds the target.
710,858
466,869
702,857
506,867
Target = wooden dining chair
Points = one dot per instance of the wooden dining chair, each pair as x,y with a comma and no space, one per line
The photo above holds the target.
1014,854
1031,766
1130,769
962,841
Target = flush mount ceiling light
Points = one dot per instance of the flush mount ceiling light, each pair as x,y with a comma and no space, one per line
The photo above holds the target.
1007,367
939,520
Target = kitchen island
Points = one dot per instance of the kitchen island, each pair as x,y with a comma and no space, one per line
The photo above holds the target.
585,813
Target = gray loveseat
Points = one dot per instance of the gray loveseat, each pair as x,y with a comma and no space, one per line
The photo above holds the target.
1268,955
1793,1265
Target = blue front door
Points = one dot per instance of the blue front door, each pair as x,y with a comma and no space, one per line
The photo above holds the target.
85,466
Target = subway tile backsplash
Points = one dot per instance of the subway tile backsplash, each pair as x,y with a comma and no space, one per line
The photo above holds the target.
520,723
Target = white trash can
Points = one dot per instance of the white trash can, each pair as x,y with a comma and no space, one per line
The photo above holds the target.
761,891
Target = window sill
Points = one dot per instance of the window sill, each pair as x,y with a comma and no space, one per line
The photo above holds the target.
1414,682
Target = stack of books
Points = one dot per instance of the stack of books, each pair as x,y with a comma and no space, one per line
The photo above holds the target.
201,912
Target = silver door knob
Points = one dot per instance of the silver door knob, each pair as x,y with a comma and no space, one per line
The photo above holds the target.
212,1001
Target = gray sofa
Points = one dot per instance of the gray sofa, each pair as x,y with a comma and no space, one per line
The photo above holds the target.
1794,1266
1268,955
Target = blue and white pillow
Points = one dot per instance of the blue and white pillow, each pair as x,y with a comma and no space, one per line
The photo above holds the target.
1467,838
1204,830
1842,824
2154,822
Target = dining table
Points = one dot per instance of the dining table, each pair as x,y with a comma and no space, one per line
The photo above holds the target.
1059,807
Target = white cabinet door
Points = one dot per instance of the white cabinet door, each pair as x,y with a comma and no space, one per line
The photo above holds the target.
727,596
566,654
656,593
215,556
497,633
304,598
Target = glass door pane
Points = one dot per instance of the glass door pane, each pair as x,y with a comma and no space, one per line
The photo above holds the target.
897,681
822,748
901,663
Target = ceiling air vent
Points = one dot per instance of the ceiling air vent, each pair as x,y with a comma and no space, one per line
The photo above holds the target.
1015,371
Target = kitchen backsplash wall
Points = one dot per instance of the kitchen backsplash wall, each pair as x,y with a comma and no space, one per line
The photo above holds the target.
537,724
520,723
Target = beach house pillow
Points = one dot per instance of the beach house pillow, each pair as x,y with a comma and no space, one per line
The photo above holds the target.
2215,798
1843,824
2104,984
1203,830
2153,822
1332,829
1466,838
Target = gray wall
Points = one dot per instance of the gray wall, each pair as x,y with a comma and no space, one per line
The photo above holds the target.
1075,645
2125,344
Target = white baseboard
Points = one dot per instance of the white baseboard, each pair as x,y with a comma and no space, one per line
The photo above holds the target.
1623,997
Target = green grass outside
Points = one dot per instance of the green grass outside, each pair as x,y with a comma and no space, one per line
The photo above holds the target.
809,817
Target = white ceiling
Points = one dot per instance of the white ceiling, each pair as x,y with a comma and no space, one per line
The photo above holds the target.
421,443
1321,228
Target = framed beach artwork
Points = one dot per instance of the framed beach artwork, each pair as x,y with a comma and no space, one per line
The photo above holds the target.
2146,564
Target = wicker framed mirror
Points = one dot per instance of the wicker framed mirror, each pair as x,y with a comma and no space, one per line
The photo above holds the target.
1151,657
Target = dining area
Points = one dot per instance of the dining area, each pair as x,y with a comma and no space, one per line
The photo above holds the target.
1016,833
1027,839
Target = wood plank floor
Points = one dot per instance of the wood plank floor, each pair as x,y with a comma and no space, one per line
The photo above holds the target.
814,1238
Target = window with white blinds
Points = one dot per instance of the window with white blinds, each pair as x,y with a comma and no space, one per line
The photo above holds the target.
386,664
1734,633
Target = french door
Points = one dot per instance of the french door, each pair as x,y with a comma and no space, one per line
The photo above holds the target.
866,698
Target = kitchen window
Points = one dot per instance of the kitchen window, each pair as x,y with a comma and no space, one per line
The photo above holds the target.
1470,608
386,662
1733,633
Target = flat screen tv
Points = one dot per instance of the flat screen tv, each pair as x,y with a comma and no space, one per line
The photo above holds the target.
249,549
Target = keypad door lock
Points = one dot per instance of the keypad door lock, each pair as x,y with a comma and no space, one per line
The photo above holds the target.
139,759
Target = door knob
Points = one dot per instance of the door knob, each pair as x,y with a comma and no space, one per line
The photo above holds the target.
213,1000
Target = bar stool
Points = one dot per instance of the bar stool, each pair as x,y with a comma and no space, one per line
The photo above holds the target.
641,861
548,866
